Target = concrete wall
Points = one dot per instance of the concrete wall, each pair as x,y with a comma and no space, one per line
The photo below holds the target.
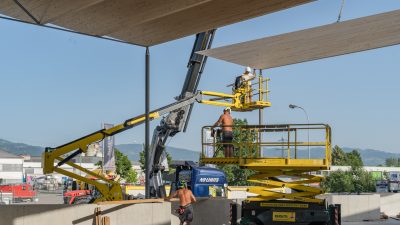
390,203
138,214
209,211
356,208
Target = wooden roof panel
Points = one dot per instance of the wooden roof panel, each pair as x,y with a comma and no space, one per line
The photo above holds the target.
210,15
143,22
351,36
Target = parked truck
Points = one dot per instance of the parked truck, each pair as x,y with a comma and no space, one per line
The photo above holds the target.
203,181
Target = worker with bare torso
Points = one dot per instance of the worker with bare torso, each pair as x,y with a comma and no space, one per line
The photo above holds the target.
186,198
226,122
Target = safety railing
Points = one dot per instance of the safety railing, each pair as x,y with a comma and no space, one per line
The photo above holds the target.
287,141
254,94
247,96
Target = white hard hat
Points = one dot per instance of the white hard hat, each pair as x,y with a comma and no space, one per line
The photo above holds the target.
227,109
248,69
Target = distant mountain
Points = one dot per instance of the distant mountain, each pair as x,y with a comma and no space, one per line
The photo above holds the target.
370,157
20,148
133,150
373,157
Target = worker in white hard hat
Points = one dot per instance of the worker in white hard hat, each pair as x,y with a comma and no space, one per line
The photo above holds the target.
247,76
226,123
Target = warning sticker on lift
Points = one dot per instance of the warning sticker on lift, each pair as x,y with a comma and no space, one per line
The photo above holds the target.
284,205
284,216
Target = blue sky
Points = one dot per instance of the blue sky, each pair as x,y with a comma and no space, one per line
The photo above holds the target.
57,86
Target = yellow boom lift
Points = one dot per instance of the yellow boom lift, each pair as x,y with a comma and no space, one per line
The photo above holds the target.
111,190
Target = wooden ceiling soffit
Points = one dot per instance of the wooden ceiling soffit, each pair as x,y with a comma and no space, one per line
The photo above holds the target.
336,39
143,22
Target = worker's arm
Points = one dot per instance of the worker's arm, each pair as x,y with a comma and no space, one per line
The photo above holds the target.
218,122
192,198
173,195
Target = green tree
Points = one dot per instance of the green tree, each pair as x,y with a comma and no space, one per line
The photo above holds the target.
243,141
356,180
354,159
338,156
392,162
338,181
124,167
362,181
132,176
141,160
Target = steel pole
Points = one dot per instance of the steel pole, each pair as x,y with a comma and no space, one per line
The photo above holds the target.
260,116
147,123
308,131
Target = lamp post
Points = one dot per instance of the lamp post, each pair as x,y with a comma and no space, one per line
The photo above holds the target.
308,123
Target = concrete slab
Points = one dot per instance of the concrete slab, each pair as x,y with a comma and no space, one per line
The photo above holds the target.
138,214
356,208
390,203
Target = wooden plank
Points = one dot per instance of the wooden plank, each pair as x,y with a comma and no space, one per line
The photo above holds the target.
97,215
210,15
336,39
105,220
124,202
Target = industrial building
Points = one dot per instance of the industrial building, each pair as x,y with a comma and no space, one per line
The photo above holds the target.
11,168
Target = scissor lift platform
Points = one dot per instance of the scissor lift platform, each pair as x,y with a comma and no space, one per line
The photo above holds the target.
253,142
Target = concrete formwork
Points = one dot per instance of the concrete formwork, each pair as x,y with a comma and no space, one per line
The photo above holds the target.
390,203
356,208
138,214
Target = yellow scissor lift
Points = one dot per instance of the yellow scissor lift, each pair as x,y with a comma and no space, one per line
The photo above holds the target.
284,186
291,163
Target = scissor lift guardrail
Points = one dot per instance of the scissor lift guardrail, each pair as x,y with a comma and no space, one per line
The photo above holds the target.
251,144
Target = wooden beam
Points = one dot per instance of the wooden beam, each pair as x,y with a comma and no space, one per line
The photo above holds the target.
336,39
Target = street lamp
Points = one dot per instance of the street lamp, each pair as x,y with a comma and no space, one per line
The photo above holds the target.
308,123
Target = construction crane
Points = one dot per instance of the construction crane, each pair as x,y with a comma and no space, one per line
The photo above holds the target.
177,115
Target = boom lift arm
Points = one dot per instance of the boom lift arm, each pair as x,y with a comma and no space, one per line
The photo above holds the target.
177,120
110,190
